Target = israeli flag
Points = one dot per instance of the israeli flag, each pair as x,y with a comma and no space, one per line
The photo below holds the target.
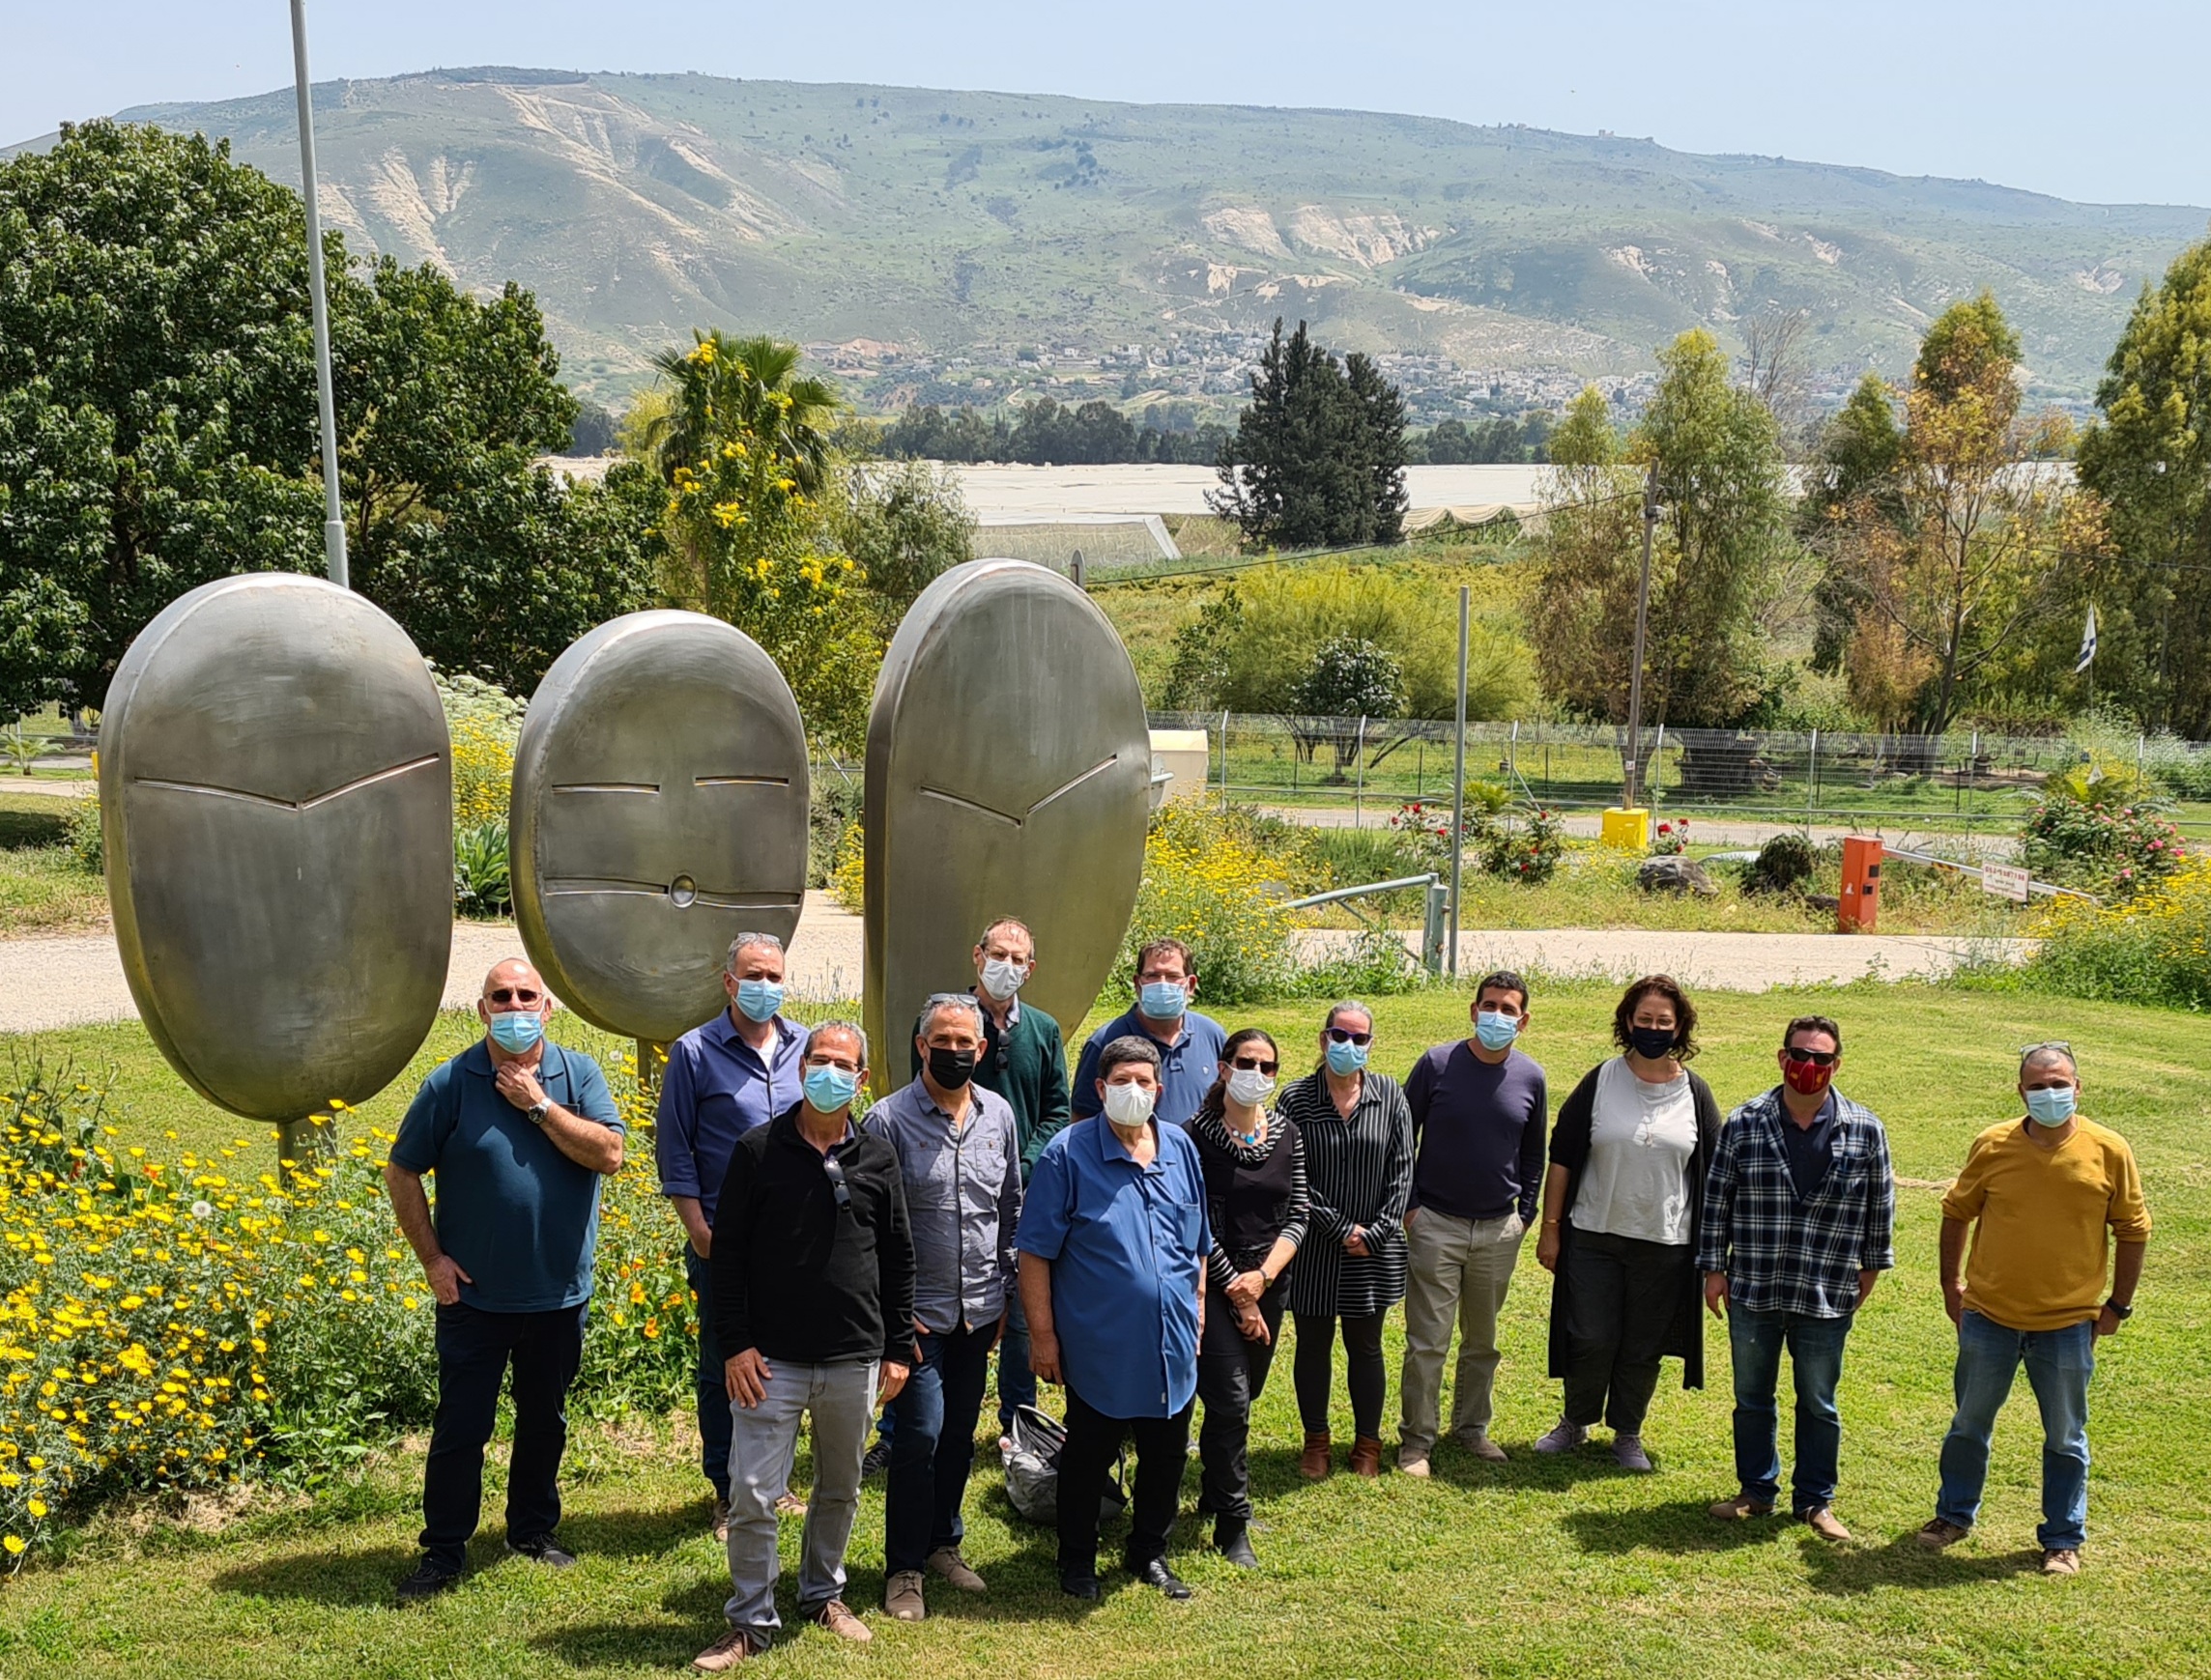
2087,644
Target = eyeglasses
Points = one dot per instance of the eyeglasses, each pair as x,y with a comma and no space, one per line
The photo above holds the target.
1345,1036
1817,1057
1253,1064
833,1170
843,1063
513,994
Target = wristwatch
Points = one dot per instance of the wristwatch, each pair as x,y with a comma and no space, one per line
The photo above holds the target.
2122,1314
539,1109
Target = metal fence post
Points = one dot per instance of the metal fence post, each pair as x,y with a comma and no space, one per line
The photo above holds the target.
1811,783
1359,763
1432,926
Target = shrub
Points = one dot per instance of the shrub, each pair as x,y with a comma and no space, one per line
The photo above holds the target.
1374,964
87,839
482,885
848,876
832,815
2104,848
2179,767
1207,882
1427,823
485,721
2153,947
1528,853
1783,865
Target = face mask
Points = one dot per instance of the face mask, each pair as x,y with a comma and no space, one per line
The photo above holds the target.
828,1089
1345,1058
1129,1104
1002,977
2053,1106
757,1000
517,1030
1164,1000
1496,1029
1652,1043
1248,1084
951,1068
1806,1078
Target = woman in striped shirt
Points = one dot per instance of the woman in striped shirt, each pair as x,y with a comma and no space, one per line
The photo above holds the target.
1358,1136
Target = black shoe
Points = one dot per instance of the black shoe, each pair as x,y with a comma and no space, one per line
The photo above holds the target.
1232,1539
1156,1573
428,1581
1081,1586
877,1460
541,1548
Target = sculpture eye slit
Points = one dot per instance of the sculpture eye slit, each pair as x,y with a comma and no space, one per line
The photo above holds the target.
215,790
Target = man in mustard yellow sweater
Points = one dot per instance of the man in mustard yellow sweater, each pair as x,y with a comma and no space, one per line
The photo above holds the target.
2049,1192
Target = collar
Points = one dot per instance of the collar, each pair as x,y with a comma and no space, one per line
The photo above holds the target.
477,1060
1136,1019
723,1031
1111,1148
784,1127
1013,1009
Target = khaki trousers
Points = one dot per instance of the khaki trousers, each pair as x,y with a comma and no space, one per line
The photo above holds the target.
1459,1269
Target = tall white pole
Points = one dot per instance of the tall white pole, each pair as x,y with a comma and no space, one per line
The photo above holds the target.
1631,795
1458,779
333,522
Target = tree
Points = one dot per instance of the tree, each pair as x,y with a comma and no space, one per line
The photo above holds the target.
1857,456
1774,370
1317,457
733,390
1352,681
905,526
2149,458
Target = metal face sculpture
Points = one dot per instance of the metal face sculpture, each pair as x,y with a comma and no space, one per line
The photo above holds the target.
1008,775
275,782
659,809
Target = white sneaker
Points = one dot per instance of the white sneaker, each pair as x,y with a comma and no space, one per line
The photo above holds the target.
1563,1438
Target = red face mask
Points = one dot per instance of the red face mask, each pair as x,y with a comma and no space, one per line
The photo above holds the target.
1806,1078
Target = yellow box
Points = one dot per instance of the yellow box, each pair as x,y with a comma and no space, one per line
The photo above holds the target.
1628,830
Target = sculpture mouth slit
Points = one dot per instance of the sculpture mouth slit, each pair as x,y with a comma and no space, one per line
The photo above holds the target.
606,787
1097,769
213,790
683,892
741,781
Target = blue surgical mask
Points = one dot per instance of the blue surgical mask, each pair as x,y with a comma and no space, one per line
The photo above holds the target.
1496,1029
1345,1057
757,1000
2053,1106
515,1031
828,1089
1162,999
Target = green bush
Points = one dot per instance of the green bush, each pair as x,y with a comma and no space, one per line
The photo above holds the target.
1528,853
482,885
2099,846
87,840
1783,865
1208,882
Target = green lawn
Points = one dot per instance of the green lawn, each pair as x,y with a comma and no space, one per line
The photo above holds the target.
1535,1567
43,887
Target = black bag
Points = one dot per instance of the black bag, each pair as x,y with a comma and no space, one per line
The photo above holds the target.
1031,1452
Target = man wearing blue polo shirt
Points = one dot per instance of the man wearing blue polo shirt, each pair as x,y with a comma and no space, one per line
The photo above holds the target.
739,1070
1112,1241
519,1133
1189,1043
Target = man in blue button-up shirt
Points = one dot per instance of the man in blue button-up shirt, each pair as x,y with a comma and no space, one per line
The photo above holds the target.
1189,1043
739,1070
1112,1243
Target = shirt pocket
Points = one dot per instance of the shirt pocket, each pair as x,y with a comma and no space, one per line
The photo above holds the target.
1186,1220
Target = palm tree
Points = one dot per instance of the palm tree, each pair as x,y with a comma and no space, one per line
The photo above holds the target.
727,386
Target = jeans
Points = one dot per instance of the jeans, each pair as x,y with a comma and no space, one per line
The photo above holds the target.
1231,1375
475,1349
1755,1341
2058,1366
1016,1383
713,1389
1622,1295
932,1446
764,1439
1312,1372
1093,1440
1457,1269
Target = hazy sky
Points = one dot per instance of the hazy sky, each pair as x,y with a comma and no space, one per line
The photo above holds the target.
2058,96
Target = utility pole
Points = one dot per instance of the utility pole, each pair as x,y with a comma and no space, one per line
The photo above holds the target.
1631,792
333,521
1458,777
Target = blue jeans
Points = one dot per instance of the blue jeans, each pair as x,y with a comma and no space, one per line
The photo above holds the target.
1016,1383
713,1392
932,1446
1755,1339
2058,1366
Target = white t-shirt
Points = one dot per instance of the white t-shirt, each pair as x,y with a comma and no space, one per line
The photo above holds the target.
1642,1136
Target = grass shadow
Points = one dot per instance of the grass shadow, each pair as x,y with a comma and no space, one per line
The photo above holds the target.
345,1579
634,1533
1679,1526
1525,1468
1844,1571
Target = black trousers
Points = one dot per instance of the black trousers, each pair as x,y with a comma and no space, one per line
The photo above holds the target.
474,1350
1622,1296
1092,1440
1231,1375
1315,1370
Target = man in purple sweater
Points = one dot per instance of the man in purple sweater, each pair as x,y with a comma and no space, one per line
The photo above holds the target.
1480,1113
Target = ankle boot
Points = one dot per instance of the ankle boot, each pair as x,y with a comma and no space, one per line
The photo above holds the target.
1232,1539
1367,1456
1312,1462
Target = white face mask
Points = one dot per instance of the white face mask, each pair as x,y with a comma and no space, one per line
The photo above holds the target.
1129,1104
1249,1086
1002,977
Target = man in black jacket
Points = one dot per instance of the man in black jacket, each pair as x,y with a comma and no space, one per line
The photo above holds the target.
813,1277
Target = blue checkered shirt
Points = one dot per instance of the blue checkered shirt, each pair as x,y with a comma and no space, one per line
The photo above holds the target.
1783,1252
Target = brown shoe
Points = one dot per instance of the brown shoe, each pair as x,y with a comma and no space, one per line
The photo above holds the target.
1823,1521
789,1504
1314,1463
947,1562
721,1521
724,1654
1365,1456
1413,1462
2060,1560
902,1596
842,1622
1739,1509
1479,1444
1940,1533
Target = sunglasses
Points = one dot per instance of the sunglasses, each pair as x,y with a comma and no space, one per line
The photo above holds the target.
1252,1065
1817,1057
1345,1036
514,994
2058,1044
833,1170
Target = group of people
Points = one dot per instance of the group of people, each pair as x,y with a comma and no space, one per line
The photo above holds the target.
1135,1237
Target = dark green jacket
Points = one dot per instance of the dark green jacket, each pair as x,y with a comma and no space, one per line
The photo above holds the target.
1029,1072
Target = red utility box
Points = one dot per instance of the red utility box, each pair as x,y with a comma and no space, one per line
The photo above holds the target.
1860,906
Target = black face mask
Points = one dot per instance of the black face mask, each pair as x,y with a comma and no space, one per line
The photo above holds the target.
951,1068
1655,1044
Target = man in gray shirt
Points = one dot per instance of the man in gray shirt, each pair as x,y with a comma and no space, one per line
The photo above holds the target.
961,1160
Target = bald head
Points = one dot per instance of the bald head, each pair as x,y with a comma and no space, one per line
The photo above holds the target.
2040,1059
513,988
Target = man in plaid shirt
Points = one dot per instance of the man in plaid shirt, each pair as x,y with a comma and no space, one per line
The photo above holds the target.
1800,1208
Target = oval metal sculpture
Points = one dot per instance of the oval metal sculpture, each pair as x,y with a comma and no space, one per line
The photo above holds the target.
275,782
659,809
1009,771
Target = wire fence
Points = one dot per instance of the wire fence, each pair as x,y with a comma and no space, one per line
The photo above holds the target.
1962,781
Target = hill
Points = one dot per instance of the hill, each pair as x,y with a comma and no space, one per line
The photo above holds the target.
952,246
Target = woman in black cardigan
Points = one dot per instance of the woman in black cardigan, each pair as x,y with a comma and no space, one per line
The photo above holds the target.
1623,1204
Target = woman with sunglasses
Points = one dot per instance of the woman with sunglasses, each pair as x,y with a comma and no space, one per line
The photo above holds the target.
1623,1210
1357,1137
1254,1166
